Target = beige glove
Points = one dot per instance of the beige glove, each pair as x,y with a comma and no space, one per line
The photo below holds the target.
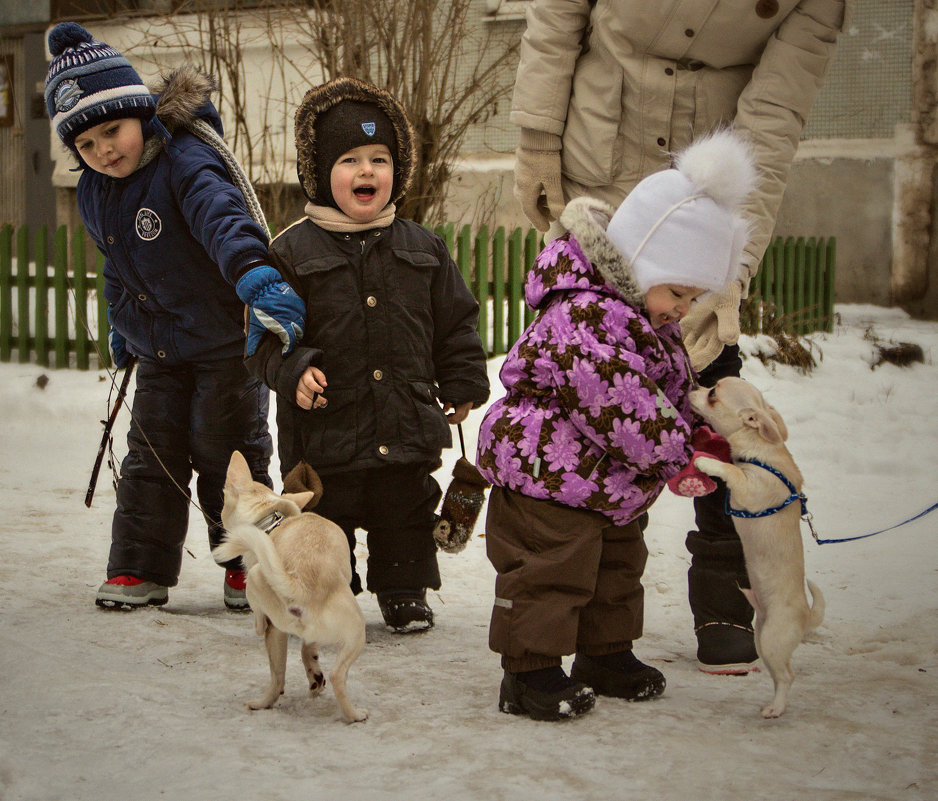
537,185
711,324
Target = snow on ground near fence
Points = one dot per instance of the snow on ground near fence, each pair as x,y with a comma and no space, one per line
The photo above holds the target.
101,705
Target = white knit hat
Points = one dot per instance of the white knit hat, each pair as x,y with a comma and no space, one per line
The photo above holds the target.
684,225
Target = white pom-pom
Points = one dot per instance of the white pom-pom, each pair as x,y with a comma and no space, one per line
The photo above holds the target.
721,165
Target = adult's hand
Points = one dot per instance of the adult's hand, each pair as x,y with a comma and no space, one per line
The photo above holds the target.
537,186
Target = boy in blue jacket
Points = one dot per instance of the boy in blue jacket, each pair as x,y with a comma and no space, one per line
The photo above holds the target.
185,247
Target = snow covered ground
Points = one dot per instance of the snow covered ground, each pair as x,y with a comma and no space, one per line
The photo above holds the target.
101,705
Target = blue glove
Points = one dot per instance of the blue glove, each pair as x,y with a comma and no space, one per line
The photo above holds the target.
273,306
117,346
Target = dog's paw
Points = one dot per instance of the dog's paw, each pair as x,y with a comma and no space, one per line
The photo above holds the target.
358,716
317,683
771,711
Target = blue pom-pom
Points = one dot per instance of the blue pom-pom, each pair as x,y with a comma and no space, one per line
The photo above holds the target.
65,35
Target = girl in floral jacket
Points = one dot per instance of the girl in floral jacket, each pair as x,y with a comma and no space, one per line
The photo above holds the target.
595,420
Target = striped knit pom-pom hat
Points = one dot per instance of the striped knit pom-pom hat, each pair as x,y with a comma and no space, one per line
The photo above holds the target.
90,82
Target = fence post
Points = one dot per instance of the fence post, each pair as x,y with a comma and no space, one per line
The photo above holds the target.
104,327
464,254
60,294
41,253
80,289
22,294
811,312
498,292
798,307
6,297
480,285
532,246
829,262
515,290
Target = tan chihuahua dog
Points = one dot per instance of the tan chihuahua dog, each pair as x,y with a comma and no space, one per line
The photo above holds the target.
298,575
771,542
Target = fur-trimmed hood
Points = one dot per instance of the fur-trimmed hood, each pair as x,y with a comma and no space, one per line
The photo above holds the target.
586,219
322,98
184,95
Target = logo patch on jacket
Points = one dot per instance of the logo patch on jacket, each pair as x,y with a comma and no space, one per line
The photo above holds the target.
369,128
148,224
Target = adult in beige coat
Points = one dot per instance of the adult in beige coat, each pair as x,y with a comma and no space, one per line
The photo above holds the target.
606,90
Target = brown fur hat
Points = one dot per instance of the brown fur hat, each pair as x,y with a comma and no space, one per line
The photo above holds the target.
321,99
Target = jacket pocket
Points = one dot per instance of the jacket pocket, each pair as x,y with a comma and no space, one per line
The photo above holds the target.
329,435
426,425
327,284
593,116
718,94
416,277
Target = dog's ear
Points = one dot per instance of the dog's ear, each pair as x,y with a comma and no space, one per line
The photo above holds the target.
239,474
299,498
780,424
765,423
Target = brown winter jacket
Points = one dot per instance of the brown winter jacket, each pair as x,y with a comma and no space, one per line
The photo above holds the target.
621,84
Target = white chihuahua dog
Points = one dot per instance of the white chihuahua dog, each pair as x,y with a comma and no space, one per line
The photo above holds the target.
298,575
765,500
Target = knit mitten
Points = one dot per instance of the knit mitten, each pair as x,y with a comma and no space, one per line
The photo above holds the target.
461,506
303,478
692,482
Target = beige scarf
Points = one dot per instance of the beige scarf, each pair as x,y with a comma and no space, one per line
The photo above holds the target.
334,220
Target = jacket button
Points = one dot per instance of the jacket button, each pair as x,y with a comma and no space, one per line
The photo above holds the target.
767,8
141,296
689,33
668,71
383,450
378,375
372,301
161,354
110,240
662,141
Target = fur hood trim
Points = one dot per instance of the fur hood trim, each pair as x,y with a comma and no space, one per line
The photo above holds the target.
183,94
587,219
320,99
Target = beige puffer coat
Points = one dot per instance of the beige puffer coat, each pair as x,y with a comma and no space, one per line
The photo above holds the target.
622,84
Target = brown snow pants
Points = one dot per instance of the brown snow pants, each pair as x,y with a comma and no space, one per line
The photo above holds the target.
568,580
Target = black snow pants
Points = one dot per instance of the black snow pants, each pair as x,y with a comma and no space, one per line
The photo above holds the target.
718,568
185,417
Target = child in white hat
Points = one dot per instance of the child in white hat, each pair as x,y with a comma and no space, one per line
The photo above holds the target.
595,421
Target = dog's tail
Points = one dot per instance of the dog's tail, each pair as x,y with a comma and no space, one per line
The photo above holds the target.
818,605
242,539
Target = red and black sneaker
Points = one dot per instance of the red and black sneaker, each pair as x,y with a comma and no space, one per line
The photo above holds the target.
130,592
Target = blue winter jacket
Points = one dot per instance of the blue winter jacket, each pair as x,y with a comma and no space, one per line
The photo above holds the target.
176,236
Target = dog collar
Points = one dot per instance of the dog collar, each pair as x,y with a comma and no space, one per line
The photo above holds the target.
269,523
795,495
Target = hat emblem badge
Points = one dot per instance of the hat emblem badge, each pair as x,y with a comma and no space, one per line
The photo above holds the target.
369,128
67,95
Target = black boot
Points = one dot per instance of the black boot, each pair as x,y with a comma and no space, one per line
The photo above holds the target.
722,614
405,611
619,675
544,694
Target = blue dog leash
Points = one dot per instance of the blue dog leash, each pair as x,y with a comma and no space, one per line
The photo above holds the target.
805,514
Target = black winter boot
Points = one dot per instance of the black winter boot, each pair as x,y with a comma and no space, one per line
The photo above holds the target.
619,675
405,611
722,614
544,694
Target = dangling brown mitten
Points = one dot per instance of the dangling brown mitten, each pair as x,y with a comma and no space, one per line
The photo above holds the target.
303,478
461,506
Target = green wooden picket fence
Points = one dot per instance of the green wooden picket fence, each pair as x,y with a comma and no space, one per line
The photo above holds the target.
53,313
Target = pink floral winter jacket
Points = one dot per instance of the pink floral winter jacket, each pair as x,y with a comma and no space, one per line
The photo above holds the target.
596,414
